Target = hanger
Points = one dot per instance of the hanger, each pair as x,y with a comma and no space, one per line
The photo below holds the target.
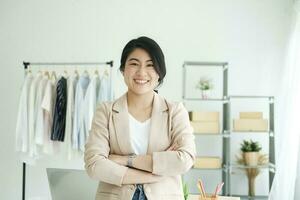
76,72
86,73
53,75
46,73
28,71
65,74
106,72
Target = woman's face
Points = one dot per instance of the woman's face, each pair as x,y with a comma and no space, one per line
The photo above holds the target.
139,73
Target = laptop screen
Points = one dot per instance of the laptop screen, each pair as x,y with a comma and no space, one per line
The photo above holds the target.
71,184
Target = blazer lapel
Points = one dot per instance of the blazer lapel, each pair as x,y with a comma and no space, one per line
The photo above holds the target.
121,124
159,119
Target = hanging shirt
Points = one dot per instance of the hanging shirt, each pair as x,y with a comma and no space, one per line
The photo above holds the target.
90,105
22,129
59,118
78,134
72,81
39,125
32,114
105,90
49,146
139,135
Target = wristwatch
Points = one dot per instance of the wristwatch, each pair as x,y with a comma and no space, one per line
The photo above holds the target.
130,159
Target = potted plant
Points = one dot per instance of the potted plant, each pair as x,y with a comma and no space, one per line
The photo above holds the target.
251,157
250,151
205,85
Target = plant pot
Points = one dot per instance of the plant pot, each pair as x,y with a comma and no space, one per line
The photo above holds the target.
205,94
251,158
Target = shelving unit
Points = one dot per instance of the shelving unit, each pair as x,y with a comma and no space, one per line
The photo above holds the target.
222,101
269,102
226,132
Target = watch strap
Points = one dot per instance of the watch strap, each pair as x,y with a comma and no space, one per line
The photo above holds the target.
130,159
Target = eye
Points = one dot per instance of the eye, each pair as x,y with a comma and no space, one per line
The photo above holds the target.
133,64
150,65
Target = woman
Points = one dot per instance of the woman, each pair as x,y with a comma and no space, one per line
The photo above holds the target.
140,144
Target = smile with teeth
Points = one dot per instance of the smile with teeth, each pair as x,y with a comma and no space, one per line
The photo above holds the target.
140,81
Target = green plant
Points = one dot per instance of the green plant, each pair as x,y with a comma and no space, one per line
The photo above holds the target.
204,84
185,190
250,146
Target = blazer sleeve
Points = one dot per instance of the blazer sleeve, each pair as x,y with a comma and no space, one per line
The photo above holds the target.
97,149
170,163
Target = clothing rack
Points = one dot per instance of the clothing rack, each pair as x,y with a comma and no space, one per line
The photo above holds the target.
27,64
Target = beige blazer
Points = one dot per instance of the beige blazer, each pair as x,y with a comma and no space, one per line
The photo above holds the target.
110,135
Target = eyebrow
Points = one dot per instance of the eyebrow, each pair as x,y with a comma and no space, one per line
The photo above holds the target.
138,60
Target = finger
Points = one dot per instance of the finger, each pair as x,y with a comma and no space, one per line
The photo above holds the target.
173,147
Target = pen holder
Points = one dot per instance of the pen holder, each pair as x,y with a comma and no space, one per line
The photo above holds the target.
209,197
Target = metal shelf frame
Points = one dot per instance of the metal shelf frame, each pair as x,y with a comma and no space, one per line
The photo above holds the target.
226,132
225,102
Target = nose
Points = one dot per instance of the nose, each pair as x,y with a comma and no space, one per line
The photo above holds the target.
142,69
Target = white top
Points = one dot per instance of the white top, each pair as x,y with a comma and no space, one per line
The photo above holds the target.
22,129
49,146
32,114
139,135
71,84
39,125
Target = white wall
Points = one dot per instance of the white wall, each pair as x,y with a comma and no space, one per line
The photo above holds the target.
249,34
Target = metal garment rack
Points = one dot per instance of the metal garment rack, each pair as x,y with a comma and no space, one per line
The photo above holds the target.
27,64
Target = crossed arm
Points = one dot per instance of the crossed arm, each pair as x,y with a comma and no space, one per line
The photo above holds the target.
112,169
142,168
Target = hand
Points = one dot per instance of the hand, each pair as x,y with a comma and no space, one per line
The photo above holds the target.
121,160
173,147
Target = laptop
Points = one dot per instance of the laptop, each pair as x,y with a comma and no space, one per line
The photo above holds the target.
71,184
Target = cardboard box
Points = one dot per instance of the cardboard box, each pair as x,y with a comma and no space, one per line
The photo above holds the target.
251,115
204,116
206,127
208,163
250,125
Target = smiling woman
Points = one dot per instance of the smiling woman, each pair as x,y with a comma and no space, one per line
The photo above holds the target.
140,144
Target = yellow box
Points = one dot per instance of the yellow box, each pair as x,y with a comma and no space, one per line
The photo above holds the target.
206,127
250,125
251,115
208,162
204,116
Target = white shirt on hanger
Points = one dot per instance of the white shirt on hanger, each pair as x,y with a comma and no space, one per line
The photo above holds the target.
71,84
139,135
22,129
48,102
78,134
32,114
39,125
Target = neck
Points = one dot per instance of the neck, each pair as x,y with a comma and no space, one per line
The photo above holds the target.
140,101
